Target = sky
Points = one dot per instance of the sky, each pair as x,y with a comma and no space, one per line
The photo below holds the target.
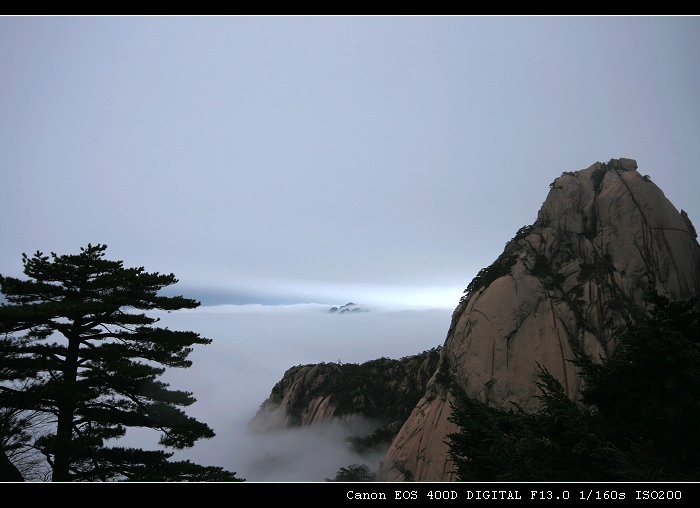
280,162
326,159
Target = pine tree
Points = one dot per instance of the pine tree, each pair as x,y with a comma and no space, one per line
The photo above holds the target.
647,394
353,473
637,418
78,348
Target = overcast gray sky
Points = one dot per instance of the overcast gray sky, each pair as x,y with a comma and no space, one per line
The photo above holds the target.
283,160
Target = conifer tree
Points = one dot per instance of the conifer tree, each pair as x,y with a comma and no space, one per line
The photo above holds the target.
637,418
77,346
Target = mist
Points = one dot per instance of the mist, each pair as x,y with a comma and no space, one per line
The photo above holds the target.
252,346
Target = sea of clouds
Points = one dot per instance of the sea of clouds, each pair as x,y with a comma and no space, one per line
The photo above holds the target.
252,346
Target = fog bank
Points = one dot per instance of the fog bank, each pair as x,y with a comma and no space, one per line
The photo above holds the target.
253,345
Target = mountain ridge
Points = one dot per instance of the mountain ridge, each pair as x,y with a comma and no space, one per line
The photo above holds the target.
380,393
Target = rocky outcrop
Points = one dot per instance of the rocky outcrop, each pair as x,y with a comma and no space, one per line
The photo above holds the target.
347,308
382,390
572,281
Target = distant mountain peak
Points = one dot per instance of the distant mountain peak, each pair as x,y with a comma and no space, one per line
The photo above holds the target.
348,307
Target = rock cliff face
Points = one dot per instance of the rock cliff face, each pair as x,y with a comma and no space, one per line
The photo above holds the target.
574,280
382,390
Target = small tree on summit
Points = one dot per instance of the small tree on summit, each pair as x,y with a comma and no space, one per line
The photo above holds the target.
72,348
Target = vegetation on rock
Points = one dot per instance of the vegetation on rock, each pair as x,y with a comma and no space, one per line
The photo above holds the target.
353,473
368,389
499,268
636,421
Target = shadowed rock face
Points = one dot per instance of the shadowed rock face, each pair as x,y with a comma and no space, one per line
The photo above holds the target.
382,390
574,280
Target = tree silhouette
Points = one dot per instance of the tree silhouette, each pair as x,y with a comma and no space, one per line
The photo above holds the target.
78,348
637,418
353,473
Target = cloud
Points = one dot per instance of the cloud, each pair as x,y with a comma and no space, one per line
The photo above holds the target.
253,345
